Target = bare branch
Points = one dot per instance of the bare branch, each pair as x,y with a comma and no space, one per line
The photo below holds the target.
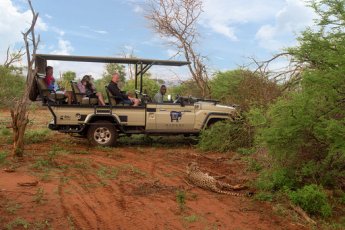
13,57
176,21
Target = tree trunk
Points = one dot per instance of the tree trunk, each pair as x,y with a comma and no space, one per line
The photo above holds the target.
19,122
19,111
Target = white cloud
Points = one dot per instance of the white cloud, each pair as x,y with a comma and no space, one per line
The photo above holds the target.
60,32
94,30
80,68
291,19
48,16
138,9
64,47
12,23
223,16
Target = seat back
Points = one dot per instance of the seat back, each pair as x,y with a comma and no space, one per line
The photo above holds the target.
77,95
42,87
81,98
111,98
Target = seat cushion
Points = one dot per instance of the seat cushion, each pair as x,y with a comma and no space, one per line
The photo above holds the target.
59,96
91,101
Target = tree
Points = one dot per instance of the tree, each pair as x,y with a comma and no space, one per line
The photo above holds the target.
110,69
19,113
244,88
11,87
150,86
176,21
67,77
305,130
185,88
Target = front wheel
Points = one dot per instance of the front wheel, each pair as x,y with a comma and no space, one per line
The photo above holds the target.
102,133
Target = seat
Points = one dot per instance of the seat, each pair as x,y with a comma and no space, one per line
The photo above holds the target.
81,98
48,95
113,100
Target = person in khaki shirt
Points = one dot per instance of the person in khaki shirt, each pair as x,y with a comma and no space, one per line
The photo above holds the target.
158,98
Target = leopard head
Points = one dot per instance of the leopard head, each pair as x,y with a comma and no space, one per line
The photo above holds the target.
192,166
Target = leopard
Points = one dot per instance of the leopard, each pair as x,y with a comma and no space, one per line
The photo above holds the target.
205,181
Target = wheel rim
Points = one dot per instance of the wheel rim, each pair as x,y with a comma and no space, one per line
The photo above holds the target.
102,135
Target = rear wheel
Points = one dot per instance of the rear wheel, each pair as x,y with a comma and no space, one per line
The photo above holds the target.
102,133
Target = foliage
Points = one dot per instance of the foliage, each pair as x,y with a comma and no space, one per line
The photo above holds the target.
304,131
11,87
3,156
276,179
110,69
191,219
18,222
67,77
243,88
150,86
181,199
226,136
36,136
312,199
186,88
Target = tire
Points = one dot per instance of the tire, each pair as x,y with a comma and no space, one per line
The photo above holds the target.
102,133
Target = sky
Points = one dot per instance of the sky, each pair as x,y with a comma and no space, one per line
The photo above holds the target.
232,31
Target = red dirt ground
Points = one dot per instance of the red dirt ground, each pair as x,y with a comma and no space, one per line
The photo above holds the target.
131,186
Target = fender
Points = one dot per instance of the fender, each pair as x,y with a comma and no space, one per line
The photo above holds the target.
220,116
111,117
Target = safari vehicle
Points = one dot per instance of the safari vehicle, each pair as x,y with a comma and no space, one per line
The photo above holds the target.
102,125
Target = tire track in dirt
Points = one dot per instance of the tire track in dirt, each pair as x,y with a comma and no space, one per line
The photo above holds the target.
91,207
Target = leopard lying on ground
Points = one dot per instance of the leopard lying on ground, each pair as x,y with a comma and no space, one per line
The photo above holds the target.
205,181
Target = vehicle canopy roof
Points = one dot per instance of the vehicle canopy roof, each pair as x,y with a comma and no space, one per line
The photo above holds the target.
141,65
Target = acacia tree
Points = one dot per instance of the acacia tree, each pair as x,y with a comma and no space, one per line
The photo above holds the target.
19,111
175,20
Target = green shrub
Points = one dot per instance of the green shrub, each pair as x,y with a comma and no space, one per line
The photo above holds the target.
5,132
226,136
3,156
276,179
11,87
312,199
36,136
244,88
304,130
264,196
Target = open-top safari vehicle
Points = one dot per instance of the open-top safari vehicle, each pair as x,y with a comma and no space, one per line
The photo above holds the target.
103,124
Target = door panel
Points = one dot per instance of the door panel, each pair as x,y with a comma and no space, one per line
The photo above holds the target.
174,117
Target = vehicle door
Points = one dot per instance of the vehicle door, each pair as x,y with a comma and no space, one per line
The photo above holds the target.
177,117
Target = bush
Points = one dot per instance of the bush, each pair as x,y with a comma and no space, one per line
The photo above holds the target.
3,156
244,88
226,136
11,87
312,199
276,179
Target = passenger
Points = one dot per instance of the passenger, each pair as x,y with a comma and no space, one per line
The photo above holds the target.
86,86
158,98
115,91
51,84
